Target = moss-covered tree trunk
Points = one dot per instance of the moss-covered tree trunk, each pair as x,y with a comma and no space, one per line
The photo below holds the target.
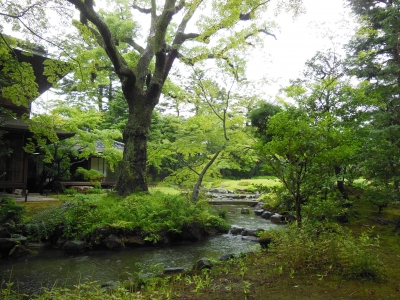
132,174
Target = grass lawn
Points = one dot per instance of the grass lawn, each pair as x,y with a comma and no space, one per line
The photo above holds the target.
223,183
165,190
36,206
233,184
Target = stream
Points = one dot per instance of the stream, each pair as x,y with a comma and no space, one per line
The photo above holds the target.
52,267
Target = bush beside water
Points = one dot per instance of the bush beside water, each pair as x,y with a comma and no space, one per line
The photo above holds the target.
327,248
144,213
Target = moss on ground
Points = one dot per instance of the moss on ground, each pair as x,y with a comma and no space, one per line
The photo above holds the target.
34,207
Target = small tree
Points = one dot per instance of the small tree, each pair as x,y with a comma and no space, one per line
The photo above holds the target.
302,151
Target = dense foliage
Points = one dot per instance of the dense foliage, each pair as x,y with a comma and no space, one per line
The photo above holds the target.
147,215
10,211
327,249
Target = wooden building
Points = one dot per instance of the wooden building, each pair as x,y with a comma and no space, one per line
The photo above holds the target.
14,167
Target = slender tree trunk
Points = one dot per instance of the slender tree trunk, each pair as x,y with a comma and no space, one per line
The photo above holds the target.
196,188
340,183
298,207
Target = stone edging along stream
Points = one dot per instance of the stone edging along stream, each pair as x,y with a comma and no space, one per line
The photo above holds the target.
111,239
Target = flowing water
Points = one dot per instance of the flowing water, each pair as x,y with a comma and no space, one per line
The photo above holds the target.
53,268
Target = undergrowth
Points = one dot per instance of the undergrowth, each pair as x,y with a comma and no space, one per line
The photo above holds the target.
327,248
81,215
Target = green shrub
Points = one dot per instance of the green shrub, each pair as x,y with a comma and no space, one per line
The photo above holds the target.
277,199
222,212
243,183
251,188
214,222
262,188
327,249
379,195
91,175
40,226
97,191
152,214
70,192
10,211
332,208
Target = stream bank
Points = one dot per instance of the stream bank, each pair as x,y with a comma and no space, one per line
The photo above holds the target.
54,267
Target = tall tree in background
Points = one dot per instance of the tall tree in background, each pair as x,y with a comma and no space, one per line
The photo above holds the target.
324,91
376,59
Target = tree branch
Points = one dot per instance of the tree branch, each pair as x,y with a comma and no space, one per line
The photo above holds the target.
134,45
263,31
120,65
180,36
179,6
141,9
160,47
22,13
247,16
189,167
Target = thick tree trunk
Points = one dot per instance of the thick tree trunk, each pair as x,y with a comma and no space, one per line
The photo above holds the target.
132,173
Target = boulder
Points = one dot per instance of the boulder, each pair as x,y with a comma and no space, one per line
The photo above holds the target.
177,270
112,242
235,230
252,232
110,285
278,219
203,263
245,211
83,188
226,257
265,239
250,238
75,246
8,245
258,212
132,241
191,233
4,232
267,215
238,196
99,234
18,192
56,234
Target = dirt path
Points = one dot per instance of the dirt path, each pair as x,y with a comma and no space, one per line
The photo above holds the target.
34,197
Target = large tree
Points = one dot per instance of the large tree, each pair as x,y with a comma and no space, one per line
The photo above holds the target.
376,59
142,82
143,40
